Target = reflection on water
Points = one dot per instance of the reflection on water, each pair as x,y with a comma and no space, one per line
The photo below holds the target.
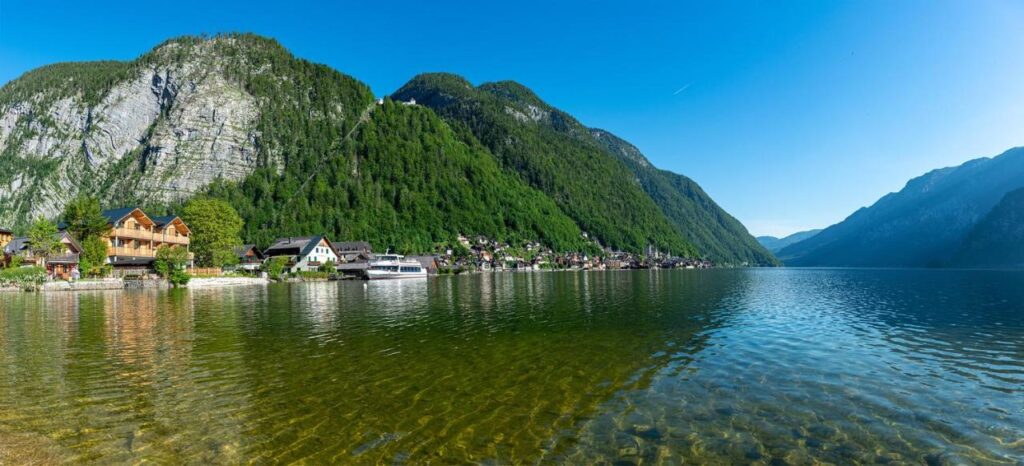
744,366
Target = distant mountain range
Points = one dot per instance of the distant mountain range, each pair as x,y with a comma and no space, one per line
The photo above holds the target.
966,216
775,244
299,149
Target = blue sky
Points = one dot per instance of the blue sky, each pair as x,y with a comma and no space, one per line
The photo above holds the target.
790,114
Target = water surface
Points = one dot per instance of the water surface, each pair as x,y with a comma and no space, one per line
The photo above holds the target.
721,366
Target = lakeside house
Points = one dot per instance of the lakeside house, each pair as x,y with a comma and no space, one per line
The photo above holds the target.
5,237
250,258
429,263
63,264
134,238
304,253
353,251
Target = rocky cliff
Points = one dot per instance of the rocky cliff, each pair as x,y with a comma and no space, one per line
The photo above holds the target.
157,129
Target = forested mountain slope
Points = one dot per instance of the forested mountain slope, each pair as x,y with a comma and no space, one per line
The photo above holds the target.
299,148
599,180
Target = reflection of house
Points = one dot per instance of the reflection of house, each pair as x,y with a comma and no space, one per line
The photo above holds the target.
60,264
305,253
5,236
249,257
353,251
134,236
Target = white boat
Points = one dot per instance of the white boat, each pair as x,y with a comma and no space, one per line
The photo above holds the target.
391,266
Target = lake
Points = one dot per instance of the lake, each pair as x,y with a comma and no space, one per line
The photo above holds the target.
784,366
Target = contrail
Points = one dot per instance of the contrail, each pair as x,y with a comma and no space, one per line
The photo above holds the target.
681,89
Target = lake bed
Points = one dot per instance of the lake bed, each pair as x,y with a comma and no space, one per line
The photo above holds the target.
774,366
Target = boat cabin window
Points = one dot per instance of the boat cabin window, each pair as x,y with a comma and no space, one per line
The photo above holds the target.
411,269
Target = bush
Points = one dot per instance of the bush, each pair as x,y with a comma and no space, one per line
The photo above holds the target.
179,277
327,267
275,266
26,278
313,275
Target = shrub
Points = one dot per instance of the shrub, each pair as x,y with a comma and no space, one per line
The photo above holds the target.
26,278
275,266
179,277
327,267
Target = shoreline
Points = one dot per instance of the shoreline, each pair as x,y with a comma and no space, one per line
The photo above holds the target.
109,284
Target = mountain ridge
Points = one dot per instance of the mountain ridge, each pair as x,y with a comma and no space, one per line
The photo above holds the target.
525,133
300,148
776,244
922,225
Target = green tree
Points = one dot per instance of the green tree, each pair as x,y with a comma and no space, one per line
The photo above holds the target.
170,263
216,231
43,240
84,218
328,267
275,266
92,261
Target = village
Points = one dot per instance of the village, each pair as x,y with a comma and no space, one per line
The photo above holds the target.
134,239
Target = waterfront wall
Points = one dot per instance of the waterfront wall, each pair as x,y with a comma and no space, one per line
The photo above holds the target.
219,282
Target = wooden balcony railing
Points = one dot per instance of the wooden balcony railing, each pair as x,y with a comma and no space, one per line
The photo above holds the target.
130,251
147,235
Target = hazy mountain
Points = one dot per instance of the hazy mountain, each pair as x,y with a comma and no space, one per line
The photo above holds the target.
922,225
775,244
998,239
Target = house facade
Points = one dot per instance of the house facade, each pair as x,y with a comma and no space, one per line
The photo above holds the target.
250,258
5,237
134,237
62,264
353,251
304,253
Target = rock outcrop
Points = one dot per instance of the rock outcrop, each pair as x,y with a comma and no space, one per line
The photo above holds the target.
172,125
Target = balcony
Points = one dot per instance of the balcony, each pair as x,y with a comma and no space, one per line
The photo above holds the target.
131,251
146,235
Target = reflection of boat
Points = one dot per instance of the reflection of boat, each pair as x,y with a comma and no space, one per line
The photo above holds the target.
388,266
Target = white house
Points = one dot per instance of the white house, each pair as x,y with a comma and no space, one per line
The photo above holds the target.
305,253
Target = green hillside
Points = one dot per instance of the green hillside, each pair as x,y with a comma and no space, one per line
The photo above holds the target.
530,138
715,233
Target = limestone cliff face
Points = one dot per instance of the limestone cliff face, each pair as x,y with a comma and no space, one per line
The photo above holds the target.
166,128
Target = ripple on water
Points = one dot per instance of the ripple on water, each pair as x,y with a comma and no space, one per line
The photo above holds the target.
744,366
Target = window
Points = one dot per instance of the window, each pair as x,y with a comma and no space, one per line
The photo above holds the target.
411,269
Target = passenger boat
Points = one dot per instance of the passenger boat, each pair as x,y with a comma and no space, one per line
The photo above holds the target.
391,266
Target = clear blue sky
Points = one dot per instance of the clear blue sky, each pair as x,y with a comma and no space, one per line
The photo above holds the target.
790,114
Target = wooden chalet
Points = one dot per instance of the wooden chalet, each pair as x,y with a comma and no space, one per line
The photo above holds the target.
134,237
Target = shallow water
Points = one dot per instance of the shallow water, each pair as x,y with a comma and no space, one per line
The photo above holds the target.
781,366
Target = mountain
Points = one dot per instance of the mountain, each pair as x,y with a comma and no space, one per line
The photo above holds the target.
775,244
998,239
299,149
922,225
604,183
691,211
296,147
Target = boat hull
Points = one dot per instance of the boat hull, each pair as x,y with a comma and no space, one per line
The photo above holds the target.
384,275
